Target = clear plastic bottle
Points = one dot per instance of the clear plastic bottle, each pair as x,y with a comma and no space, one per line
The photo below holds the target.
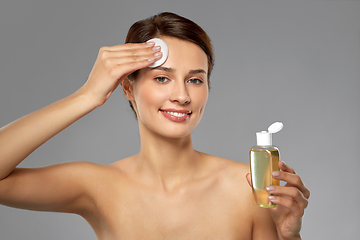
264,159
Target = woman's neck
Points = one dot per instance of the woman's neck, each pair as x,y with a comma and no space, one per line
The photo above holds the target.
167,161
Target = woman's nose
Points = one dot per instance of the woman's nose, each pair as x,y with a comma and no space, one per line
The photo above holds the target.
179,94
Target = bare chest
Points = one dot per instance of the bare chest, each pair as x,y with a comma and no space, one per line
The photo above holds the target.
195,213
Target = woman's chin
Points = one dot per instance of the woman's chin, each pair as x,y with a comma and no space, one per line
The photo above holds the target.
174,133
170,132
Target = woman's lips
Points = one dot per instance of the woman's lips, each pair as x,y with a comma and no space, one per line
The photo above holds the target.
176,115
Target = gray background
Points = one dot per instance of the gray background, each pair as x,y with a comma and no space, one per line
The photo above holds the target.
291,61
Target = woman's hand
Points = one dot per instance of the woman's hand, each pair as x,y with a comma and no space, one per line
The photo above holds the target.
292,199
115,63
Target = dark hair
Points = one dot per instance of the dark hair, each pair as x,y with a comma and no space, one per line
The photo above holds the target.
171,25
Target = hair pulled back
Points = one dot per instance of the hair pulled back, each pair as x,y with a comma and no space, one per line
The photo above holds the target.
171,25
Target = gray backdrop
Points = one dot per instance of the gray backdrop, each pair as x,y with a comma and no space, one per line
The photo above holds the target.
291,61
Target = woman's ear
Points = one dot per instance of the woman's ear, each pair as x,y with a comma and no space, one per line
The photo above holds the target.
127,88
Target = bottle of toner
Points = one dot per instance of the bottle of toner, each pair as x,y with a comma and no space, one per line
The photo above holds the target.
264,159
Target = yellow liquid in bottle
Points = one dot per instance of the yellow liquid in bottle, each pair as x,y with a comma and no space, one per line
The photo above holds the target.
263,161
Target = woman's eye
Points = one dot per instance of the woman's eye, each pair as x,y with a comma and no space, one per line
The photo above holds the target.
162,79
195,81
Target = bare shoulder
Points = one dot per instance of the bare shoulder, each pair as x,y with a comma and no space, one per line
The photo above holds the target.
235,191
227,167
231,177
233,173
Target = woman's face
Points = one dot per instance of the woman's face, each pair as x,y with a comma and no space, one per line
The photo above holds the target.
170,99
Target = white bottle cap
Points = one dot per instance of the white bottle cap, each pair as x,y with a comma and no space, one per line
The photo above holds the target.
164,50
264,138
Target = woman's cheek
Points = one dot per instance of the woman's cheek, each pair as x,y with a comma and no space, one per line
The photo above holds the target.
200,99
151,97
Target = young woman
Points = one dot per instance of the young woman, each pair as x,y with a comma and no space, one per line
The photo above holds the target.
168,190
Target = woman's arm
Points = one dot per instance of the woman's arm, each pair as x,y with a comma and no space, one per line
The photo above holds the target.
65,187
21,137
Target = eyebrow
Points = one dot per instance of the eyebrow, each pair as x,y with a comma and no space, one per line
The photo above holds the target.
165,69
197,71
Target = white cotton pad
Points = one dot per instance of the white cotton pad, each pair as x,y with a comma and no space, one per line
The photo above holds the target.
164,50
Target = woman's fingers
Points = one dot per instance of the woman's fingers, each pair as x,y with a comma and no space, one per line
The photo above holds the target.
292,194
131,59
131,53
293,180
125,65
129,46
295,208
125,68
128,55
284,167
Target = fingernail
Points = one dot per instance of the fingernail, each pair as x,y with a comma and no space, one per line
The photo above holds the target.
151,59
283,163
158,54
156,48
271,197
150,44
270,189
276,174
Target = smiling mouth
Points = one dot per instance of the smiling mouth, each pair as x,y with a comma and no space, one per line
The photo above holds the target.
180,113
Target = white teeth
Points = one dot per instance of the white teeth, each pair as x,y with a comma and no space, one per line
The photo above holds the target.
176,114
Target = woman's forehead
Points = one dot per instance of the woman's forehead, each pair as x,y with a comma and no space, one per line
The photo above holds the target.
184,55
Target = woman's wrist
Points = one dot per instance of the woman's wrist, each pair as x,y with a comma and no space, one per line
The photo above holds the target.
297,237
88,100
294,237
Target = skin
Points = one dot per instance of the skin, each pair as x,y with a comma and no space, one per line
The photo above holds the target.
166,191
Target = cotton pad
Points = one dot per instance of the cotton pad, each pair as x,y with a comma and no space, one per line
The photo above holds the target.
164,50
